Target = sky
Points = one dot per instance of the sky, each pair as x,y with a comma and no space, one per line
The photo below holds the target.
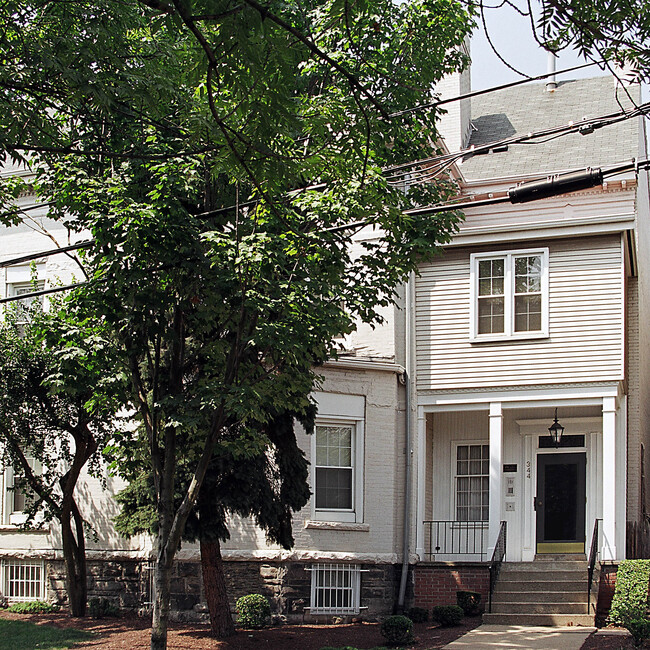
512,36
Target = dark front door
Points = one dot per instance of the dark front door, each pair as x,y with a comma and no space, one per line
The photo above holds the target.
560,503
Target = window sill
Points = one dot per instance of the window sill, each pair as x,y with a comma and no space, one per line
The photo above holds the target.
336,525
509,338
17,528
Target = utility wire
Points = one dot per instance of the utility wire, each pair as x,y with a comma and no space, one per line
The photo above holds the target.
585,126
54,251
492,89
555,185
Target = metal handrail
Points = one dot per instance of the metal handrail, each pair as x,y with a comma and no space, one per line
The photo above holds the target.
446,537
591,564
497,560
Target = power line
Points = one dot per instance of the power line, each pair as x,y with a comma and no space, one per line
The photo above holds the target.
54,251
492,89
555,185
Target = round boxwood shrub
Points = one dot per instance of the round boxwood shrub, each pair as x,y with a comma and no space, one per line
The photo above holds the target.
418,614
253,611
397,629
447,615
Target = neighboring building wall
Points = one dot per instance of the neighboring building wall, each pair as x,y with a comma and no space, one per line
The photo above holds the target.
634,441
585,312
378,536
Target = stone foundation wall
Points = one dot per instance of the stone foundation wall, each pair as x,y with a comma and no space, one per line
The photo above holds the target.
437,584
126,582
287,585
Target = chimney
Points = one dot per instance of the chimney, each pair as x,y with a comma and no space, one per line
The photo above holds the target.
454,124
551,61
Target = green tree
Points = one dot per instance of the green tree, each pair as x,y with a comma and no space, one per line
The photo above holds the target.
220,314
57,409
218,153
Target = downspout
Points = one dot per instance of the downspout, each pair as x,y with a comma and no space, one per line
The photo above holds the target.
408,452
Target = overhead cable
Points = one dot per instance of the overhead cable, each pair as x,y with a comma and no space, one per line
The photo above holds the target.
554,185
492,89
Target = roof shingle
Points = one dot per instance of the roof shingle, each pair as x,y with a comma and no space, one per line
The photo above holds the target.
529,107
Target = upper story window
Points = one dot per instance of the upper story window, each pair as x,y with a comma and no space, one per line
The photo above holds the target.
509,295
25,307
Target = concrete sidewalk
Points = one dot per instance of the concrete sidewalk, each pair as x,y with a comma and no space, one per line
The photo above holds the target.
522,637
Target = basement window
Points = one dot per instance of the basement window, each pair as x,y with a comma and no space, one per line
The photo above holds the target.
24,580
335,589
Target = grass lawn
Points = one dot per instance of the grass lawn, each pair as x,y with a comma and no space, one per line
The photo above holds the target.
22,635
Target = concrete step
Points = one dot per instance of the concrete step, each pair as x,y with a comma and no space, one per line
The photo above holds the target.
539,586
546,576
527,596
517,608
544,565
561,557
554,620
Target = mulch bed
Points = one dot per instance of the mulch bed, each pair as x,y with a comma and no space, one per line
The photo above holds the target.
133,633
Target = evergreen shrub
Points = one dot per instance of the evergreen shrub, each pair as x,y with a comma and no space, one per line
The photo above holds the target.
639,628
397,629
253,611
630,600
447,615
103,608
418,614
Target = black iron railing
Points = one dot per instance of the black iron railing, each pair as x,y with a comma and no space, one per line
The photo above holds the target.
591,564
497,560
455,538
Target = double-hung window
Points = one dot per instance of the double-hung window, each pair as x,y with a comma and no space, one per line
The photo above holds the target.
337,459
472,482
17,497
334,467
509,295
25,307
23,580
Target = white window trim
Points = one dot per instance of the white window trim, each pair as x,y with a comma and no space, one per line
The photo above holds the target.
355,514
4,576
355,583
509,291
454,475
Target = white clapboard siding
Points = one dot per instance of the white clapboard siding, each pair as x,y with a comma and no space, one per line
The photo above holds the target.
585,323
554,211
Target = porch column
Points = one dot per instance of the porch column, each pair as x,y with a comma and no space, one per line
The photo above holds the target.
496,445
609,474
421,483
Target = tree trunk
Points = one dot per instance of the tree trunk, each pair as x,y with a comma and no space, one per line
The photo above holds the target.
162,595
214,586
74,556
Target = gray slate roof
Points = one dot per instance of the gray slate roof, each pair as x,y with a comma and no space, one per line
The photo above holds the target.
530,107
